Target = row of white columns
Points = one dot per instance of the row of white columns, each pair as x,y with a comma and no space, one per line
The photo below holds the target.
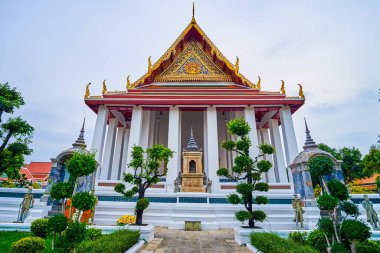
120,140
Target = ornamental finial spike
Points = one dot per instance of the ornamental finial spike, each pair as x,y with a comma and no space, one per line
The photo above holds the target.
193,18
87,94
283,92
128,82
300,93
104,91
237,65
258,85
149,64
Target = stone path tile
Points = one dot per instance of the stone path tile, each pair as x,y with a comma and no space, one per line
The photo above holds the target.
181,241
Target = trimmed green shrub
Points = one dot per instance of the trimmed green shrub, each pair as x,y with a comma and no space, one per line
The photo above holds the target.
8,184
118,241
338,248
30,244
39,228
326,226
142,204
321,165
298,237
273,243
338,189
61,190
81,164
57,223
349,208
317,240
327,202
368,247
353,230
73,235
84,201
93,234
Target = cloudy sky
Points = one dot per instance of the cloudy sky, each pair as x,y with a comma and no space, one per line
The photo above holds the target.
49,50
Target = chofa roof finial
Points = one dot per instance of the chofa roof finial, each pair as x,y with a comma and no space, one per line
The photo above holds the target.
193,18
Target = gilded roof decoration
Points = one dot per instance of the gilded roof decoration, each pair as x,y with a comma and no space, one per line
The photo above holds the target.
192,65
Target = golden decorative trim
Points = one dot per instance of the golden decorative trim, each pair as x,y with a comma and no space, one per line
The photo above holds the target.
300,93
104,91
283,91
258,85
87,94
128,82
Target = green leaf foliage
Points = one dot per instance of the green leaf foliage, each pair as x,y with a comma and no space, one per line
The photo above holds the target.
30,244
326,226
355,230
264,165
243,215
266,149
259,215
61,190
262,187
39,227
81,164
338,189
321,165
73,235
243,144
371,161
244,189
327,202
120,188
84,201
298,237
118,241
261,200
142,204
222,172
57,223
238,126
339,248
368,247
93,234
234,199
350,208
229,145
316,239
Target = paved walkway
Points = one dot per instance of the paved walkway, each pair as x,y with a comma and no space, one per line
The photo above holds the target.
180,241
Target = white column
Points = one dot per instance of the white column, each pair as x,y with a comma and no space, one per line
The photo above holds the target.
116,162
99,133
144,138
205,149
135,133
212,148
174,143
124,154
249,114
270,173
289,135
278,156
109,149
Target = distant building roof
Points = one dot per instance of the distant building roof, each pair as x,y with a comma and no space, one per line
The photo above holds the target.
368,182
39,168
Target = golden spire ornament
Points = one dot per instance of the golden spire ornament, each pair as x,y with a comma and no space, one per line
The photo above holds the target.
87,94
258,85
149,64
237,66
104,91
300,93
128,82
193,18
283,92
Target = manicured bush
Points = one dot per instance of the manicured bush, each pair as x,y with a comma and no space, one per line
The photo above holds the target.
326,226
116,242
30,244
273,243
57,223
368,247
338,248
298,237
338,189
142,204
355,230
327,202
81,164
349,208
84,201
61,190
93,234
317,240
8,184
39,228
72,236
321,165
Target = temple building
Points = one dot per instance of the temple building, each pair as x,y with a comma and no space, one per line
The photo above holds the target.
193,89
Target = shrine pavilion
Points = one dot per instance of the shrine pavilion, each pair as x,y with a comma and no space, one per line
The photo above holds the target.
192,90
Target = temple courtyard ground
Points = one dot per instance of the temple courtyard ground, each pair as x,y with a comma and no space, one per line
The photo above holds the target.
181,241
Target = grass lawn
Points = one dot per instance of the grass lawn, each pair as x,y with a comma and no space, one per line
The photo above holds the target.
9,237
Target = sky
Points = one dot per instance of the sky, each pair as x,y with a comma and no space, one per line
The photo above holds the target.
49,51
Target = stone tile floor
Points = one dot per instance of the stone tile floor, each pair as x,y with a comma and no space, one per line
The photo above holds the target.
181,241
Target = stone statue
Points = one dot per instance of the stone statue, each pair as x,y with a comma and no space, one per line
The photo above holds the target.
297,206
176,185
25,205
371,214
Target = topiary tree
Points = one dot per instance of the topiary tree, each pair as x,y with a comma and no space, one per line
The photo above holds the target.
146,173
316,239
30,244
83,201
355,231
62,191
74,234
338,248
320,166
39,227
56,225
248,170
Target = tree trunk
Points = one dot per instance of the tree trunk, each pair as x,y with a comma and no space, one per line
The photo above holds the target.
53,241
139,213
251,222
353,246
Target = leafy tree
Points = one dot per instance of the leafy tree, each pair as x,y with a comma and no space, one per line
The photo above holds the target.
56,225
146,173
355,231
335,153
62,190
371,161
83,201
15,133
248,170
81,164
